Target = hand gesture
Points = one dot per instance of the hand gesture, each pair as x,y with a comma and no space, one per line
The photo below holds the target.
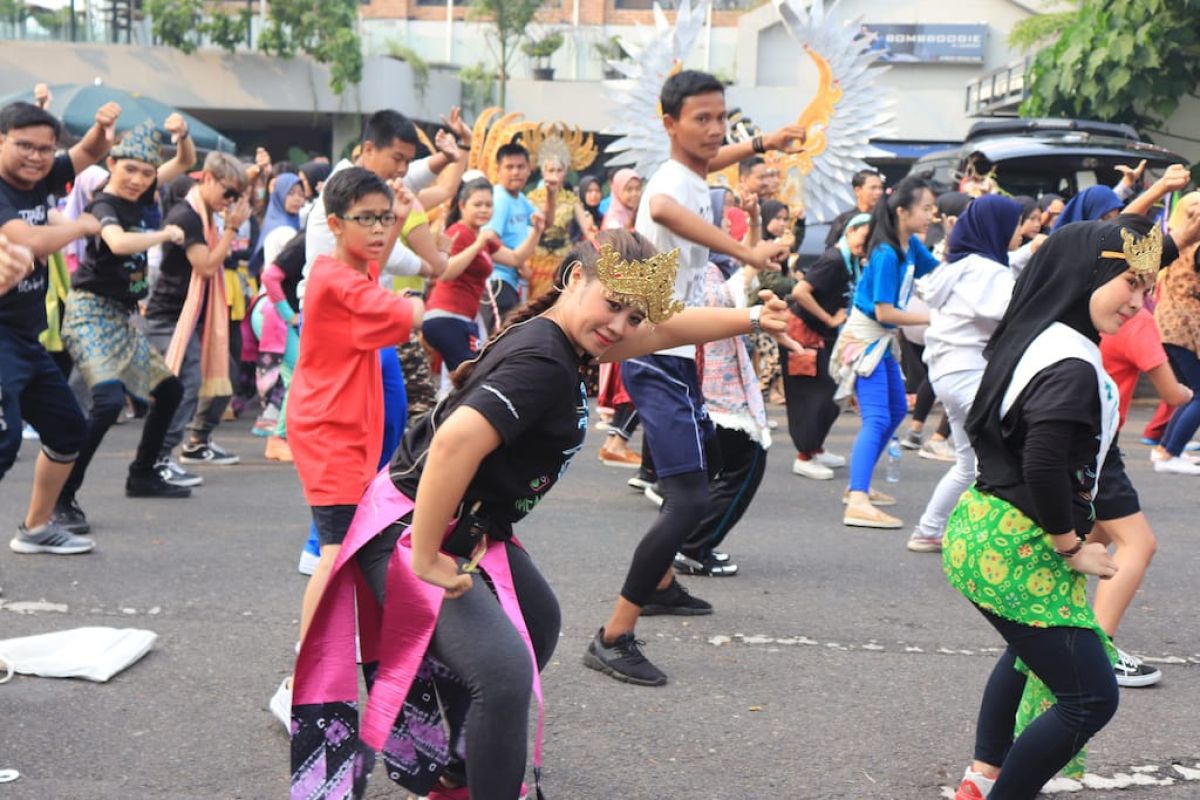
789,138
16,262
1036,242
1093,559
1175,179
447,145
774,321
487,235
177,126
106,120
90,225
767,254
403,200
455,123
443,572
538,220
444,243
1189,233
42,97
1131,175
798,210
237,214
173,234
750,204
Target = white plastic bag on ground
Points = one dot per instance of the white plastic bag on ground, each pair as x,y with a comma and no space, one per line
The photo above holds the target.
95,654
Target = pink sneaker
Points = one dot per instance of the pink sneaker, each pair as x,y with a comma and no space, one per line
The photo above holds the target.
442,792
974,786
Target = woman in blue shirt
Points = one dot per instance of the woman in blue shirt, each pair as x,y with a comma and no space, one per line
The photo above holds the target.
897,258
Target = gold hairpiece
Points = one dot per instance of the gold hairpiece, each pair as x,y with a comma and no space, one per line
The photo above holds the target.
1144,256
646,285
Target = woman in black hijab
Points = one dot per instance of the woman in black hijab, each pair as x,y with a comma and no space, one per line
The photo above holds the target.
590,195
1043,424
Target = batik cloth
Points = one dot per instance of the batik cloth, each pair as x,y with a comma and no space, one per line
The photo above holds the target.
1004,563
106,346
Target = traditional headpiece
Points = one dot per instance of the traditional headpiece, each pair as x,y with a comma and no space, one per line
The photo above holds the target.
143,143
646,285
1144,256
570,147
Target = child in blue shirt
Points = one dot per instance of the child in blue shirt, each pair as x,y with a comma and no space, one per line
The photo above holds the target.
897,258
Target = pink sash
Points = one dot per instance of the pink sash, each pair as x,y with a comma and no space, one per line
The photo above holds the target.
398,635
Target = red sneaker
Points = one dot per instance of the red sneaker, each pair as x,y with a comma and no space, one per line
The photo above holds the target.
974,787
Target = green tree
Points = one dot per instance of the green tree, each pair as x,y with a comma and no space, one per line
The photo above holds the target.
323,29
1118,60
478,85
227,31
509,19
176,23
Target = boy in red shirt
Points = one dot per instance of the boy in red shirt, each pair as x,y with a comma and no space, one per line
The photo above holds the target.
335,405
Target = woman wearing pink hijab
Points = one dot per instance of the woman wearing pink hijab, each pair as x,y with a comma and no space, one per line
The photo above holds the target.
626,194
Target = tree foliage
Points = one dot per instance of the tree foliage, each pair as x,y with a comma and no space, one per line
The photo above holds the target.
323,29
228,31
1035,31
176,23
1119,60
509,19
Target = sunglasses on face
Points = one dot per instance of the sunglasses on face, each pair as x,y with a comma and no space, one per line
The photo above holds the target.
387,219
232,195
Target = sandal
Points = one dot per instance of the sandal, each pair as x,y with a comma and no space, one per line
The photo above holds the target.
859,516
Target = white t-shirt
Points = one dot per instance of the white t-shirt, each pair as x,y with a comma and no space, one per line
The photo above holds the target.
690,190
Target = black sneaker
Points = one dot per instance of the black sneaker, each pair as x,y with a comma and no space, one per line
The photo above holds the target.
1132,672
151,484
709,567
677,601
176,475
70,517
207,453
623,660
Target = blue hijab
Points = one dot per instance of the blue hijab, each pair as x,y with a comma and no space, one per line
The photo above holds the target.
985,228
276,216
1090,204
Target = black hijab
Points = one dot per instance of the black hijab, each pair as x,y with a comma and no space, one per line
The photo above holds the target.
1056,287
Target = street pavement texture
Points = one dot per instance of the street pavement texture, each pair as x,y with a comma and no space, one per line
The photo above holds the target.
837,664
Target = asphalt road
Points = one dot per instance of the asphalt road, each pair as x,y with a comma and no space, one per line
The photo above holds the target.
838,665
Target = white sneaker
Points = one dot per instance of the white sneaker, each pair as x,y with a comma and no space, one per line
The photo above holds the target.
308,562
281,704
1157,455
811,469
1177,465
1132,672
937,450
832,460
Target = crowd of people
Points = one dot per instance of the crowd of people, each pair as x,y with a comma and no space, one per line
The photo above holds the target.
423,344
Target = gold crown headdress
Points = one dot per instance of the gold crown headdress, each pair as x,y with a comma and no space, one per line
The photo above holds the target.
1144,255
646,285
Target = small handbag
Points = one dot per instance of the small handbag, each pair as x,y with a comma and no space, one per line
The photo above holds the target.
803,364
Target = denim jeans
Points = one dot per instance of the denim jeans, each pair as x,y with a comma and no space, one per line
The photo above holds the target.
883,405
1186,418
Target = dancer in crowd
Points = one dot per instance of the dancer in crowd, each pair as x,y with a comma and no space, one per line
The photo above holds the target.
462,479
1093,203
512,220
32,387
820,305
626,194
1043,424
454,303
590,196
113,356
865,358
559,207
967,297
675,213
1050,205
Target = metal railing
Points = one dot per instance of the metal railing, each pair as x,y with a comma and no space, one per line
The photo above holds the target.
999,92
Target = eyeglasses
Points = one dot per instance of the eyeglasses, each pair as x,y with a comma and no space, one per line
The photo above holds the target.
387,219
232,195
31,149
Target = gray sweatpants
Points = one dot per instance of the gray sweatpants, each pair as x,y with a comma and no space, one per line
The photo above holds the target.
199,416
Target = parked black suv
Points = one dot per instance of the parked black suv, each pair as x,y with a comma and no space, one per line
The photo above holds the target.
1040,156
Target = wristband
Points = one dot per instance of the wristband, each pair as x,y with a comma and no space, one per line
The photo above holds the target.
1069,554
756,319
758,144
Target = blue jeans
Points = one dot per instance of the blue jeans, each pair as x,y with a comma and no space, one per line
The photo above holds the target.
1186,418
1074,666
883,405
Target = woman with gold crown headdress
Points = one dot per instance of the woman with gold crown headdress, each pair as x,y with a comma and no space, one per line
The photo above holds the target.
463,477
558,204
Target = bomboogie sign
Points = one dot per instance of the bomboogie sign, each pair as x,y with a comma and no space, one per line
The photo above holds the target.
926,44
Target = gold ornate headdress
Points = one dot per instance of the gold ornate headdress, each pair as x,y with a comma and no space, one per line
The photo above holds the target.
1144,256
571,147
646,285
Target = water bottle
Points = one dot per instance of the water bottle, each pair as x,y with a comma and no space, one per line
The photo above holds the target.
893,461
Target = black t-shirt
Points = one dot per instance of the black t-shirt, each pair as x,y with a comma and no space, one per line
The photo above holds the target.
170,292
832,287
290,260
1057,413
120,278
23,308
528,387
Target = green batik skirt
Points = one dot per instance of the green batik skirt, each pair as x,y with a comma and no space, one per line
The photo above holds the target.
106,346
1004,563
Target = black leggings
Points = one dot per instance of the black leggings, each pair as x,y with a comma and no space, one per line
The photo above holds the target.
625,421
475,639
108,399
811,410
1073,665
743,462
685,498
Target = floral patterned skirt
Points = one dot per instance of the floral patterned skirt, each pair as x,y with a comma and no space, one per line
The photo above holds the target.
107,347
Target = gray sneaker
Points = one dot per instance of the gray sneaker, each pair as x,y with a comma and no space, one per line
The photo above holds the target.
50,538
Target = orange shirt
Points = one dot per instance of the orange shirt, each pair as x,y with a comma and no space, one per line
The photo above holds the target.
335,402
